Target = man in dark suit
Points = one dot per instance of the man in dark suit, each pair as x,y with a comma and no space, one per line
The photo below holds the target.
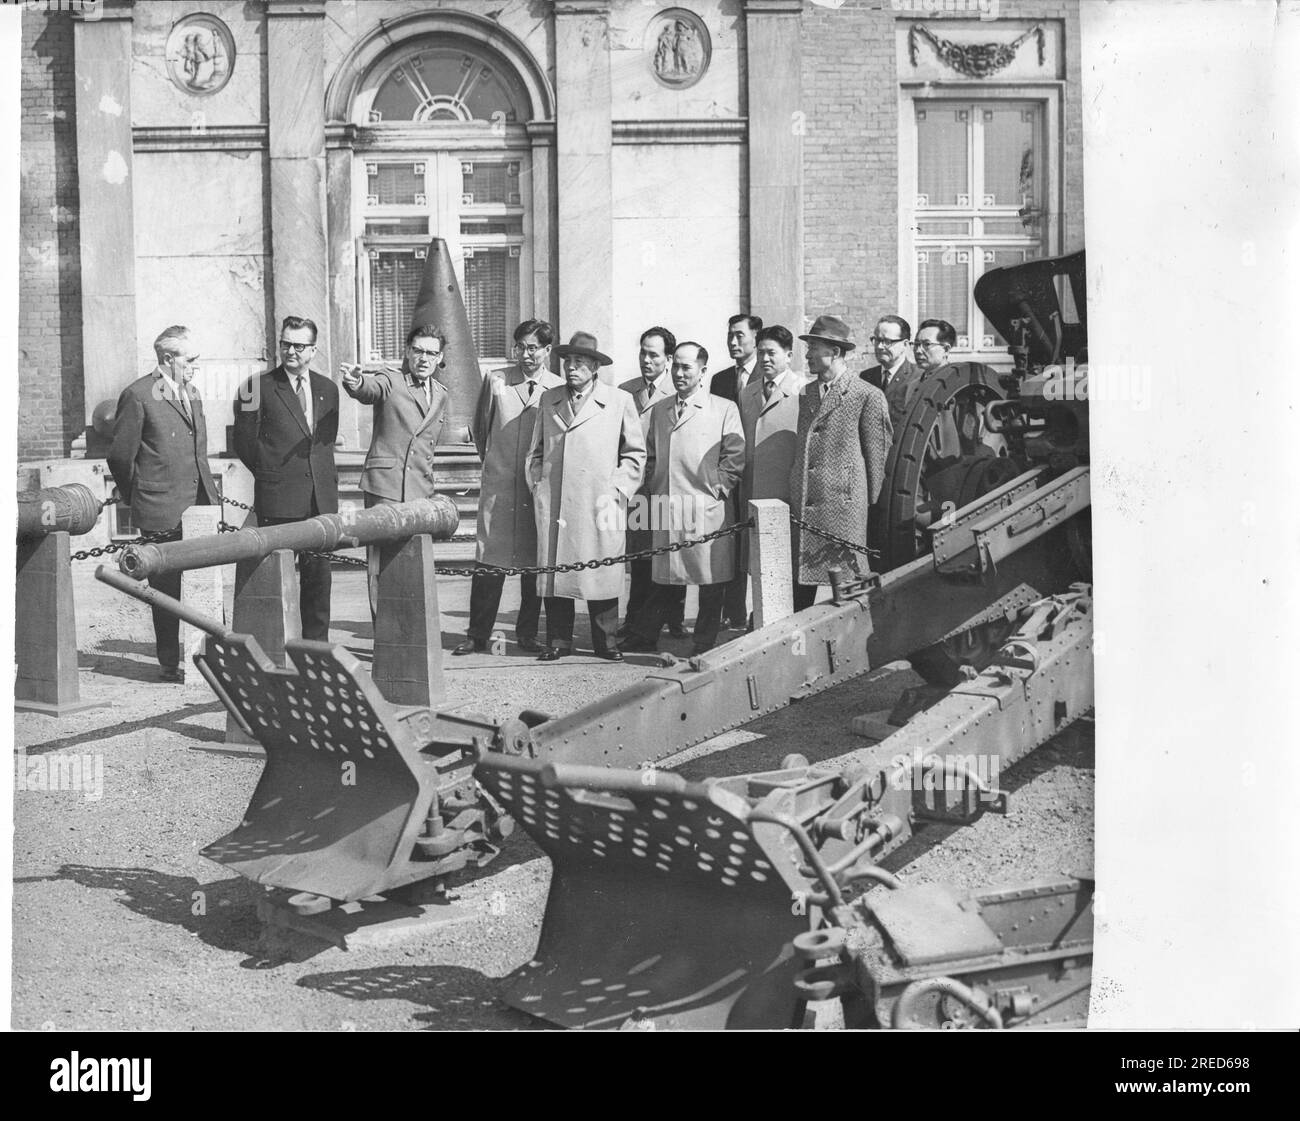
286,423
159,462
410,407
742,344
896,376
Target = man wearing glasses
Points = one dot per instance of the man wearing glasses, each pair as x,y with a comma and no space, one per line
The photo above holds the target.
159,463
896,376
410,405
286,423
934,339
507,530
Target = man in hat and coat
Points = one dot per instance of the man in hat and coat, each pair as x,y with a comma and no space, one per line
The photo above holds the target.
410,405
507,528
841,444
586,462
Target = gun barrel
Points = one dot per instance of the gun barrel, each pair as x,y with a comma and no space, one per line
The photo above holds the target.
436,516
72,509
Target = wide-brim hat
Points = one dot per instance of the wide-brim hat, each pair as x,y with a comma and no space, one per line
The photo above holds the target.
831,329
583,345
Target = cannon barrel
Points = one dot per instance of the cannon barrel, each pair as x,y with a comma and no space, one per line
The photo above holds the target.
72,509
436,516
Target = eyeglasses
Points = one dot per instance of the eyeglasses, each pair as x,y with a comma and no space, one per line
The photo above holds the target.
880,340
297,348
520,348
421,352
925,344
181,358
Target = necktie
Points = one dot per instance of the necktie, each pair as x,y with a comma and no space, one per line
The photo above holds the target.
428,394
824,388
531,386
681,408
185,404
768,388
302,398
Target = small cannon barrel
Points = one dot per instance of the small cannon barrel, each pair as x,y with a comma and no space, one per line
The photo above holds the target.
436,516
72,509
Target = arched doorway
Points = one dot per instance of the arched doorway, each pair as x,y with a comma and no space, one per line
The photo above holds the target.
448,123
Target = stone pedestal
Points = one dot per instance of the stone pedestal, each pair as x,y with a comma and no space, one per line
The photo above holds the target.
770,561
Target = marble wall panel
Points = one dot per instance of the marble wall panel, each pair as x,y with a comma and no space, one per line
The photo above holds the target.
200,202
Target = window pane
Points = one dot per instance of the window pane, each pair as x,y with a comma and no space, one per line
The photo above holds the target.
1008,227
1011,155
487,183
448,84
469,227
492,298
943,285
394,286
942,144
934,227
395,184
418,226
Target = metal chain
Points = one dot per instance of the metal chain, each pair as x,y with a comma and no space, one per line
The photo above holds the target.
836,540
603,562
118,546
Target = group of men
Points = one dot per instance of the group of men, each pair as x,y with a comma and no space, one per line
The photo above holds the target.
574,469
675,455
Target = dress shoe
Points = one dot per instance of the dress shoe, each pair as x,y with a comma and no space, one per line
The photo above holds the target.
174,675
676,630
470,646
610,655
531,645
637,645
553,653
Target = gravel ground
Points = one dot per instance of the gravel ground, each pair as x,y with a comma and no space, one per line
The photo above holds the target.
119,924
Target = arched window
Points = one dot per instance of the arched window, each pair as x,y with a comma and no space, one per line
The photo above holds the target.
447,82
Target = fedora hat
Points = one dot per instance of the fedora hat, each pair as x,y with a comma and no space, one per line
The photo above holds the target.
830,329
583,345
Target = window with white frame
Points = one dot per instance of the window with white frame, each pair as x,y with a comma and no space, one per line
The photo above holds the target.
475,203
983,187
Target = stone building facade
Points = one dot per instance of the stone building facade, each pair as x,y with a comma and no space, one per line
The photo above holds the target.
604,164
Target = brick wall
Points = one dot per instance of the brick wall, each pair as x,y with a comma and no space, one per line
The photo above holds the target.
50,409
851,143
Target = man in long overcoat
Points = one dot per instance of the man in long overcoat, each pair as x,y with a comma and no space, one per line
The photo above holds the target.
654,385
410,406
769,416
159,463
841,445
586,462
507,528
695,456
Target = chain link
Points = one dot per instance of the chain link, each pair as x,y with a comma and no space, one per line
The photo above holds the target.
118,546
602,562
875,553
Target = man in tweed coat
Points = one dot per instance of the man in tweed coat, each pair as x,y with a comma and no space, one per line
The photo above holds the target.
841,445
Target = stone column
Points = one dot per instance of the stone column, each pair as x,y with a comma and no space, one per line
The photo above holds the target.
771,563
584,170
295,42
541,138
772,66
105,173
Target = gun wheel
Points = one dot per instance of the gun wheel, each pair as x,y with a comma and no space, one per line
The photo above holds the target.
943,458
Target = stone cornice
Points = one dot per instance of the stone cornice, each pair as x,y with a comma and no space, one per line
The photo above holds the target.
222,138
706,130
582,7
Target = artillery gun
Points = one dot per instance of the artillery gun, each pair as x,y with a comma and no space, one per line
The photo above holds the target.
733,902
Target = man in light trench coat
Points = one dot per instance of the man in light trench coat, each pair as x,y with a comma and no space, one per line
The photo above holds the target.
507,529
695,455
586,461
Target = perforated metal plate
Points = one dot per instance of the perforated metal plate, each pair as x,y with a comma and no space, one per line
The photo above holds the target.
344,790
662,908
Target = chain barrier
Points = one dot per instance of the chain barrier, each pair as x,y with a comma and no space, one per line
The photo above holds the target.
118,546
602,562
873,553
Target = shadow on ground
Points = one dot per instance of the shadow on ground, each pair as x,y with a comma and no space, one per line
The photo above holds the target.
457,998
168,721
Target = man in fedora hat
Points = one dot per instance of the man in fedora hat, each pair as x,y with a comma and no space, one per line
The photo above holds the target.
841,444
586,462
